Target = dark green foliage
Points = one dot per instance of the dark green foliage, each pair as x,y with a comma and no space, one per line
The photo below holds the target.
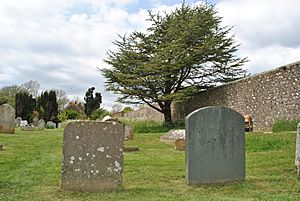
285,125
99,114
179,55
25,105
71,114
91,103
3,100
47,106
127,109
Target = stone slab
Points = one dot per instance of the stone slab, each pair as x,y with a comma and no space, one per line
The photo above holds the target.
7,119
215,146
171,136
129,133
92,156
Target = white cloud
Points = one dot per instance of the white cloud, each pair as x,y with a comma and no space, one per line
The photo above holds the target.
268,30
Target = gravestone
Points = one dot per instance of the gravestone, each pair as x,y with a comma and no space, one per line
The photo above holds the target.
50,125
297,157
92,156
59,125
24,123
18,121
7,119
35,121
215,140
129,134
41,124
171,136
180,144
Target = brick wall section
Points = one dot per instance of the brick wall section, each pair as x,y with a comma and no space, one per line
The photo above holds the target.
266,97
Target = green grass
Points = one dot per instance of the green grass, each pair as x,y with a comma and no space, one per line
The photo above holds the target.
285,125
30,169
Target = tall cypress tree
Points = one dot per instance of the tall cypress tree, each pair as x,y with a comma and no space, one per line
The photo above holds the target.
92,103
47,106
25,105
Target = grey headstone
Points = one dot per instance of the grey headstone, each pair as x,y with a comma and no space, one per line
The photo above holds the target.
7,119
50,125
24,123
92,156
27,128
18,121
215,151
59,125
129,133
297,157
35,121
41,124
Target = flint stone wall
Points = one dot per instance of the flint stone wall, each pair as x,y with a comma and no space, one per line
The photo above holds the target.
92,156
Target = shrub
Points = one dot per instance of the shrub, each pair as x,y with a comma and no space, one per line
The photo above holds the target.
150,126
99,114
285,125
71,114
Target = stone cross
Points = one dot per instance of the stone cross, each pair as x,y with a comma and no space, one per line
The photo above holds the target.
92,156
297,157
215,140
7,119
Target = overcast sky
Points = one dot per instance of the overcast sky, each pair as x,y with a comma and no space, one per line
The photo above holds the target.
60,43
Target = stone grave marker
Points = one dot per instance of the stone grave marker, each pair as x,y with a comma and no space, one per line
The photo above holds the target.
7,119
171,136
215,146
59,125
35,121
18,121
92,156
129,134
24,123
50,125
41,124
180,144
27,128
297,157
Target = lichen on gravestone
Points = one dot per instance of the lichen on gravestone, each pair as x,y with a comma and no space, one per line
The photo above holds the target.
297,155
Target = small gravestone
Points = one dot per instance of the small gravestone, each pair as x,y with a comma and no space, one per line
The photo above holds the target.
92,156
24,123
297,158
50,125
129,134
7,119
18,121
180,145
172,135
59,125
215,146
41,124
35,121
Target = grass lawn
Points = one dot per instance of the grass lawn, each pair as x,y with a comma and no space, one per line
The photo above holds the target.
30,168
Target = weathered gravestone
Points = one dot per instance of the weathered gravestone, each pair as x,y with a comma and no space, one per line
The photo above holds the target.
7,119
24,123
215,140
129,133
41,124
92,156
27,128
180,144
171,136
50,125
18,121
297,158
35,121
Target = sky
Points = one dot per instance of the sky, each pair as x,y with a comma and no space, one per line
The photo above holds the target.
62,43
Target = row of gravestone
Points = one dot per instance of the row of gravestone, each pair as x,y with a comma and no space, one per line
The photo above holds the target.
215,152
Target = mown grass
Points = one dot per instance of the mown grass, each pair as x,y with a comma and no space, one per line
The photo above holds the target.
30,169
285,125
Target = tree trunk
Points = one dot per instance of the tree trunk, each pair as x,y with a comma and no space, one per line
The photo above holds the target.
167,112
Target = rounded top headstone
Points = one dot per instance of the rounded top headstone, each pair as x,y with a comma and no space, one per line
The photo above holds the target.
7,119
